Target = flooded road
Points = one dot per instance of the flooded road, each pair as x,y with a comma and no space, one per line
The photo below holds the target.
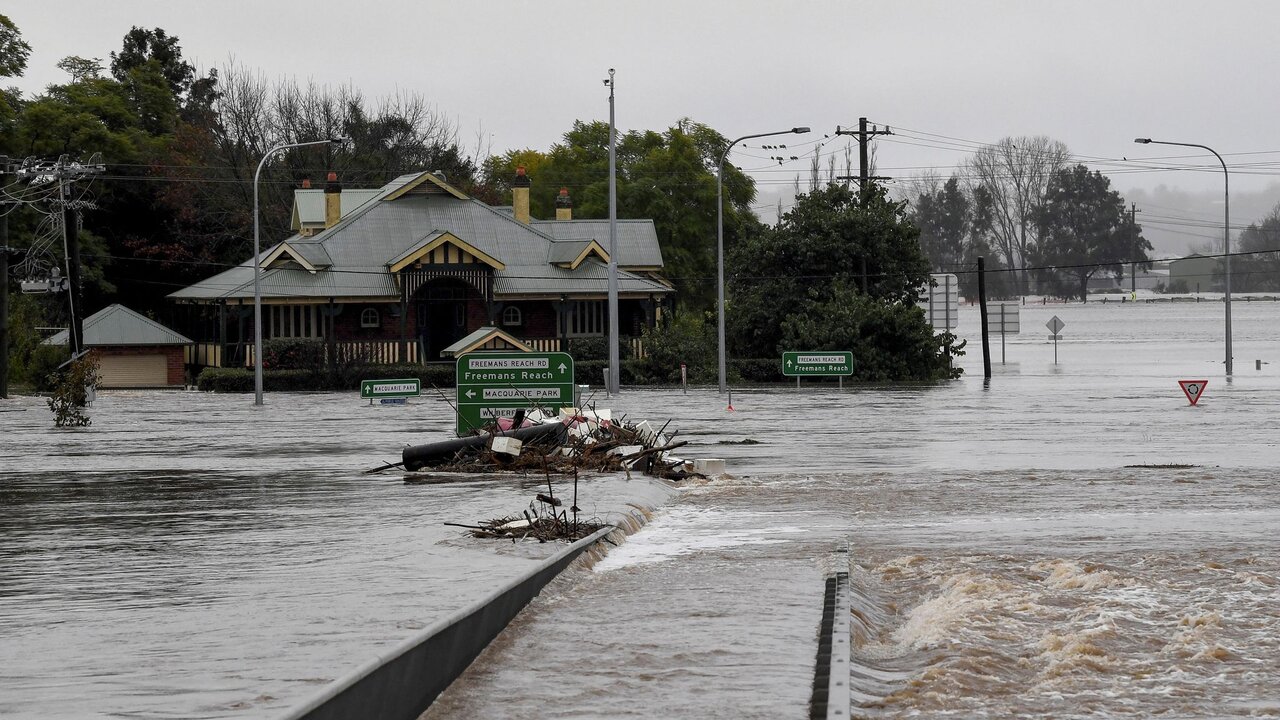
1016,550
1014,547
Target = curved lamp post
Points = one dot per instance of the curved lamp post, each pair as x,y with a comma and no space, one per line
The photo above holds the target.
257,262
1226,229
720,240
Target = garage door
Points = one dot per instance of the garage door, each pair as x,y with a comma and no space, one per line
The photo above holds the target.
126,371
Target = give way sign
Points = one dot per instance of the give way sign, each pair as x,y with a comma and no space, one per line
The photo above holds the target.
1193,389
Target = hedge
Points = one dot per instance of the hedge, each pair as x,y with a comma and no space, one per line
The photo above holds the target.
586,372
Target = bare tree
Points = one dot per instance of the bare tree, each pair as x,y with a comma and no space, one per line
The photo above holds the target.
1015,174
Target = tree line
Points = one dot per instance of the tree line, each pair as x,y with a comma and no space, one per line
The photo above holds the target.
180,149
1044,224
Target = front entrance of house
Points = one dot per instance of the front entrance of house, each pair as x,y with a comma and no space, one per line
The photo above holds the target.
441,314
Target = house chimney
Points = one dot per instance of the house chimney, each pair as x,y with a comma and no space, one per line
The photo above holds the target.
332,201
564,206
520,196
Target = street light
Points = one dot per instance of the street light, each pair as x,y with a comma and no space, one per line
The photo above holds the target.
720,240
257,261
1226,229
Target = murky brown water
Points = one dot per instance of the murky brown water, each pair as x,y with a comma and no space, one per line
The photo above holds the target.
1004,561
190,557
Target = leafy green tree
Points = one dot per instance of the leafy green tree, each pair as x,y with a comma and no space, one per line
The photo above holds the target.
669,177
837,274
14,51
1083,228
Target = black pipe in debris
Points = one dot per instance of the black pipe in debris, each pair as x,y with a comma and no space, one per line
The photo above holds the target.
417,457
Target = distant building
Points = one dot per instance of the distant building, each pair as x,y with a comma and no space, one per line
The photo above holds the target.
133,351
416,266
1194,273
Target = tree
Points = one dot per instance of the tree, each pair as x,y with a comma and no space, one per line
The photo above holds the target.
669,177
803,286
946,222
14,51
1257,269
1083,228
1015,173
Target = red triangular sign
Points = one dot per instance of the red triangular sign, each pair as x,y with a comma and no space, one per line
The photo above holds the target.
1193,389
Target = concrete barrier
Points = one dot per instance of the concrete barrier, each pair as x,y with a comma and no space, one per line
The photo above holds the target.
402,682
831,699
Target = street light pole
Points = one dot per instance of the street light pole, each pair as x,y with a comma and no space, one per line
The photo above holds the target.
613,382
257,262
720,241
1226,230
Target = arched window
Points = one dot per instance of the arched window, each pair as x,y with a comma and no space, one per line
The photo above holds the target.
369,318
511,315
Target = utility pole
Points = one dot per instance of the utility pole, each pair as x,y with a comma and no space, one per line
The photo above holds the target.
1133,239
864,166
864,172
4,284
64,172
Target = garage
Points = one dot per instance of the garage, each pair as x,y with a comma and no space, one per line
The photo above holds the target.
133,371
133,351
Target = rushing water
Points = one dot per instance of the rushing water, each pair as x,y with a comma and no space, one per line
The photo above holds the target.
1014,548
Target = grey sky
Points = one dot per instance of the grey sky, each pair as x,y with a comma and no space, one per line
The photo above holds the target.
949,74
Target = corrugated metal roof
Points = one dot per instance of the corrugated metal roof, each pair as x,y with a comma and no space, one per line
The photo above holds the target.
482,336
566,251
118,325
362,245
591,277
308,204
313,253
637,239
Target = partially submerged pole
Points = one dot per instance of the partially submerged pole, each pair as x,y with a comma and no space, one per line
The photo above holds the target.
982,309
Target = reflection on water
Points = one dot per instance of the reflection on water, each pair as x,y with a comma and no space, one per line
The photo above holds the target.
190,556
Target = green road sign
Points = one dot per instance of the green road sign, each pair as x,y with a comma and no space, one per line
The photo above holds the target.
812,364
399,388
493,385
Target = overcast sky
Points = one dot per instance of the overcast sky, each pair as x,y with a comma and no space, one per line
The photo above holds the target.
946,76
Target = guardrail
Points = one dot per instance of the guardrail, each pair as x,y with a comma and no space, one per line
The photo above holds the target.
401,683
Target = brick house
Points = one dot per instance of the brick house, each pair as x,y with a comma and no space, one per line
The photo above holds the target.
418,265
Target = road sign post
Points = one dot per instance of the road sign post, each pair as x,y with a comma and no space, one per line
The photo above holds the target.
817,364
495,385
388,389
1055,326
1003,317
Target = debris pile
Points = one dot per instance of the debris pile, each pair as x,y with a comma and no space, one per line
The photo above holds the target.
566,442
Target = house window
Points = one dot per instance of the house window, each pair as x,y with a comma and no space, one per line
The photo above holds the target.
294,321
369,318
584,318
511,316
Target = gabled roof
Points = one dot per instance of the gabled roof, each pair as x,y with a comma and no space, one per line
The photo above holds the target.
387,232
435,240
118,325
426,183
311,256
486,339
637,239
571,253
